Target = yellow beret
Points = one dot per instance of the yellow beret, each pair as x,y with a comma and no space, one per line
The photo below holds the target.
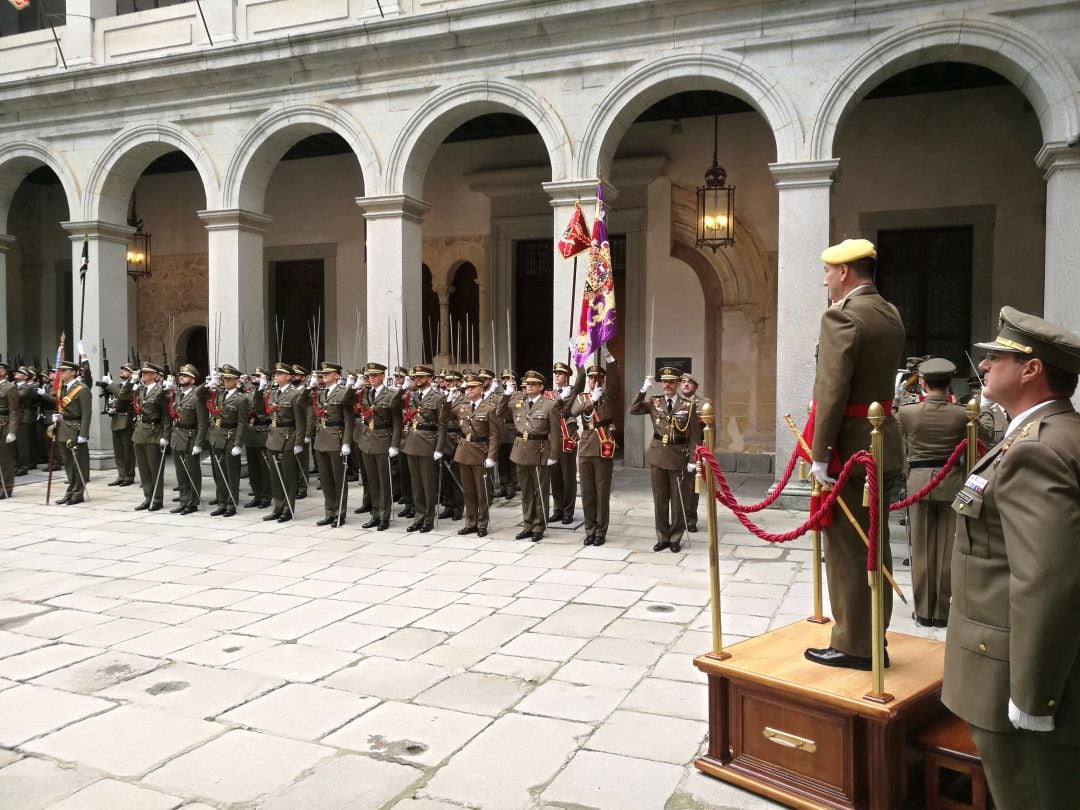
849,250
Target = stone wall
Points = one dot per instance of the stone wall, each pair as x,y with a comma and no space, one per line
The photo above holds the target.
177,288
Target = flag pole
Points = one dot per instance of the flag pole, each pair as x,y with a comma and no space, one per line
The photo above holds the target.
573,295
56,396
84,265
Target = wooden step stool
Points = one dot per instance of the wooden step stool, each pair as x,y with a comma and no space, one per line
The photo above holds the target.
946,745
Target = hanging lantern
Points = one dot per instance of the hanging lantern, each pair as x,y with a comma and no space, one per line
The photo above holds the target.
715,204
138,249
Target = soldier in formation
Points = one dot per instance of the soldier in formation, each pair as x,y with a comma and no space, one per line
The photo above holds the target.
9,418
332,405
378,437
229,411
151,434
477,447
536,426
119,396
563,473
287,407
426,434
190,422
596,408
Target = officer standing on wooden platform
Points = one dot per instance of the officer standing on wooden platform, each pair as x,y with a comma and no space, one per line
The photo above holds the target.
187,410
536,427
333,408
931,430
596,450
288,409
151,435
676,432
477,448
229,411
378,429
427,432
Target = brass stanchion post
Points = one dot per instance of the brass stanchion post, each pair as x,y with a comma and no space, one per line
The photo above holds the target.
972,455
877,601
708,417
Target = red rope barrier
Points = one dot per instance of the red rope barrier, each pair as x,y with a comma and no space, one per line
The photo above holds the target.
946,468
777,490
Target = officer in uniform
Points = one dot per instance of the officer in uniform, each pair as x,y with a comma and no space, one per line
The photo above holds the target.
676,432
187,411
303,459
378,438
399,464
333,409
507,469
931,430
860,344
229,416
452,498
288,409
563,474
151,434
596,450
536,426
479,421
259,472
1012,667
426,434
688,387
119,396
27,415
9,420
71,423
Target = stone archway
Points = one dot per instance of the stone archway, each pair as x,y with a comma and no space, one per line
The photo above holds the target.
18,159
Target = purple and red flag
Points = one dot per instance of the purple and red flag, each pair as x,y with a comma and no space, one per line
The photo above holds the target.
597,323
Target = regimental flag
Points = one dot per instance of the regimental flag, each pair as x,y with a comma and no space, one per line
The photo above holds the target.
56,368
19,4
597,323
575,238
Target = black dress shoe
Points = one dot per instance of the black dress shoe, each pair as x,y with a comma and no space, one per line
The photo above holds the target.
921,622
568,519
458,516
326,521
661,545
832,657
599,541
407,512
252,503
176,510
427,527
588,540
383,525
371,524
125,483
301,495
230,511
142,506
481,532
62,501
187,510
524,534
446,514
154,507
537,537
285,517
692,528
413,527
119,482
218,512
468,530
362,509
74,499
554,517
676,546
941,622
272,516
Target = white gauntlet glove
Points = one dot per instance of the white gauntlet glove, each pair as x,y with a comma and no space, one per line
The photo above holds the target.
552,461
163,442
647,384
10,438
298,449
345,450
437,455
196,450
489,463
1029,722
56,417
105,378
597,392
82,440
820,471
406,384
236,450
691,467
392,452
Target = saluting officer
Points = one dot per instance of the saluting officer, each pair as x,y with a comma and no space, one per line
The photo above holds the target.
301,382
259,472
399,464
187,410
596,450
333,408
536,426
378,438
688,387
151,435
229,411
288,408
564,472
9,418
27,415
426,433
676,433
931,430
453,497
507,469
477,447
120,395
72,430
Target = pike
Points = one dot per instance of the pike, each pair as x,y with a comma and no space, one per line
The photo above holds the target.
56,395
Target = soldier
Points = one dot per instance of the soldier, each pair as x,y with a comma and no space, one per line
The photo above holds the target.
491,391
333,410
300,381
399,464
9,421
1011,664
259,471
507,469
931,430
453,497
151,434
477,446
536,425
676,432
187,411
71,422
596,450
229,412
287,407
860,344
563,474
378,439
118,397
24,420
426,434
688,387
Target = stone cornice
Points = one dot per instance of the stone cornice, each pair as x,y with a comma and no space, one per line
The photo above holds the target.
810,174
1055,157
96,229
391,206
567,192
235,219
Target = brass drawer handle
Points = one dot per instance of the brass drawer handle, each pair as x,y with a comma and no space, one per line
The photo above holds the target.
789,740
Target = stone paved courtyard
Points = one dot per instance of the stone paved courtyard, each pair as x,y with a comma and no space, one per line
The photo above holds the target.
157,661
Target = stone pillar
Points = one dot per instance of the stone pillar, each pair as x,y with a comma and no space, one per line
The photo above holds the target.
1061,293
239,302
804,233
394,300
565,296
446,356
6,241
105,316
78,31
220,17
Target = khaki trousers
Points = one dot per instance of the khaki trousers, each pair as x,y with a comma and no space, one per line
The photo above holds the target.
668,517
564,484
596,493
1026,770
331,477
424,478
379,482
188,477
283,462
474,486
124,453
533,482
932,525
148,457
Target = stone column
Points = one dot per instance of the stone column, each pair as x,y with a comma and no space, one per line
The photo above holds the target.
220,18
804,233
6,241
1061,293
78,30
239,302
394,300
105,315
446,356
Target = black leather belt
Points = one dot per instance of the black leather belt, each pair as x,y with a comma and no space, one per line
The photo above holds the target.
147,420
478,439
921,465
262,420
281,424
333,423
192,426
227,425
66,418
428,428
530,437
672,440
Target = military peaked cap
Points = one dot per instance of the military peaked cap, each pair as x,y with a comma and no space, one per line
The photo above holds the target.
1026,334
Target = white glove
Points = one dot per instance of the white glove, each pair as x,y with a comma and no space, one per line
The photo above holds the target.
215,380
1029,722
10,438
493,387
195,450
691,467
236,450
437,455
56,417
508,389
345,450
392,452
552,461
565,392
298,449
307,440
597,392
41,391
82,440
648,383
262,383
609,358
820,471
82,351
350,381
313,381
489,463
105,378
162,442
406,384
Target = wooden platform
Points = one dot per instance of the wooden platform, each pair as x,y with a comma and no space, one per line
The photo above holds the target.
803,734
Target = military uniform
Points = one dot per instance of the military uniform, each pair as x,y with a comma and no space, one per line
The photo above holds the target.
676,432
259,470
303,459
931,430
563,473
507,469
1012,668
333,410
536,427
187,411
228,413
72,433
377,429
452,498
861,342
596,450
121,394
150,437
27,416
399,464
9,417
287,407
475,454
426,432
